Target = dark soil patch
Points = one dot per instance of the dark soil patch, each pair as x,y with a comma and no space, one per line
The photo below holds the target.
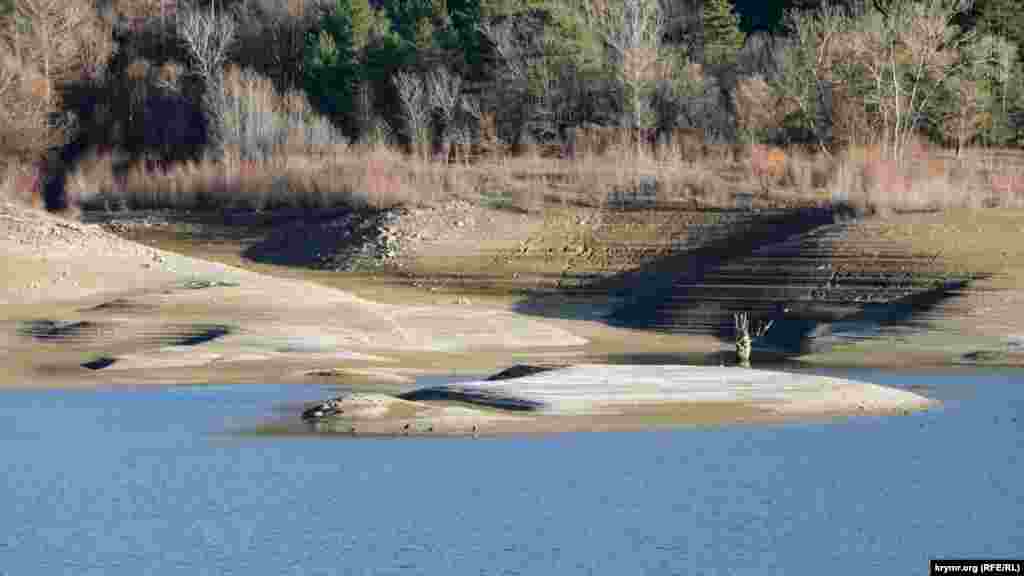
201,284
474,396
53,330
203,333
99,363
518,371
117,305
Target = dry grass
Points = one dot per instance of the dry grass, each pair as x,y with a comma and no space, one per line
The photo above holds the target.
380,177
303,162
375,178
20,183
928,179
91,179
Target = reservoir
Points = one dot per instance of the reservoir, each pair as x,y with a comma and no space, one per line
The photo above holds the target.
160,481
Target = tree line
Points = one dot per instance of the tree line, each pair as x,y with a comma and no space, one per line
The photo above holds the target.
426,74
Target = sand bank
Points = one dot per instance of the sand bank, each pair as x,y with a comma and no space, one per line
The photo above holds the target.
594,397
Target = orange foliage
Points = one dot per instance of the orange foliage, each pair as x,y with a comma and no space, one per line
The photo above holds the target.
768,164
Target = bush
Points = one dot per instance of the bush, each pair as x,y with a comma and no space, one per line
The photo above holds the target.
264,123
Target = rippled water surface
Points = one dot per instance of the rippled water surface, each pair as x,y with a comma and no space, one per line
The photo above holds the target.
148,481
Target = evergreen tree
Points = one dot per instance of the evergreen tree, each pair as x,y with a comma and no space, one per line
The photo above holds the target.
1001,18
721,36
331,66
999,28
362,21
466,17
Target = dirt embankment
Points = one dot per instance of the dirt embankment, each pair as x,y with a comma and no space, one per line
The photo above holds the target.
937,287
80,305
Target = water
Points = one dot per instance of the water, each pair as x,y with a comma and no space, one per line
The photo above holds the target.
148,481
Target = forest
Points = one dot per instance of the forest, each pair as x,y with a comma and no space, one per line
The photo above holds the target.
113,99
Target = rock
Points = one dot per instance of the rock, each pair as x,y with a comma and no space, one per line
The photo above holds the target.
351,406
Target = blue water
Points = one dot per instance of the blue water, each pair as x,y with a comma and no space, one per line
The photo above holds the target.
149,482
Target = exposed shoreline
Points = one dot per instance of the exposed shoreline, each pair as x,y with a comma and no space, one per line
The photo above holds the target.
87,308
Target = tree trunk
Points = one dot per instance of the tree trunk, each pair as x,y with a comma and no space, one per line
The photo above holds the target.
213,103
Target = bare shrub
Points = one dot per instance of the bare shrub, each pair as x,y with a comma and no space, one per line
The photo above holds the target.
251,120
926,179
25,127
45,44
755,107
21,183
91,181
444,96
64,40
263,123
378,178
768,166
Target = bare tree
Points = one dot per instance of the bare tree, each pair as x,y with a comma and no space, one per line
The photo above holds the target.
631,30
208,37
908,50
806,68
444,94
415,110
755,111
62,39
502,36
25,128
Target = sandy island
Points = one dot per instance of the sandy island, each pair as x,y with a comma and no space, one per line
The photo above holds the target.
594,397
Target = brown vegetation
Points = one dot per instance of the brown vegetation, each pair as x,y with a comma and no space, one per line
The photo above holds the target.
812,117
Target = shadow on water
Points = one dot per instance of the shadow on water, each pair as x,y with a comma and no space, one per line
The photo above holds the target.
796,268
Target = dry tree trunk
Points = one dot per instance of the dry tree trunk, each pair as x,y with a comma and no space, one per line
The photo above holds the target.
744,340
415,108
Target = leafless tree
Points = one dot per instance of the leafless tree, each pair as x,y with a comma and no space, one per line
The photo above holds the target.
907,49
503,37
62,39
755,111
631,30
444,94
415,109
25,130
208,37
